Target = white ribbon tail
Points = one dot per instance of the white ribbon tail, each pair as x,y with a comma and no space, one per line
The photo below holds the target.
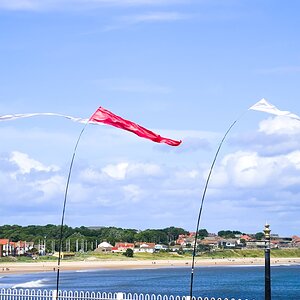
18,116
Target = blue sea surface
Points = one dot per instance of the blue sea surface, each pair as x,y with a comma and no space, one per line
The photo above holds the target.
239,282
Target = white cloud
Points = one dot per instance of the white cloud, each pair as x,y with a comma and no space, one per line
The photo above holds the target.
80,194
160,184
246,169
33,186
27,164
280,125
187,174
91,175
182,192
145,169
117,171
132,192
249,170
192,174
294,159
51,187
124,170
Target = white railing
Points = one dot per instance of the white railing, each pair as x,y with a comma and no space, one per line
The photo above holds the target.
21,294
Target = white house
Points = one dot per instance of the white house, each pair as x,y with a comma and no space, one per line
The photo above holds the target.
145,248
104,247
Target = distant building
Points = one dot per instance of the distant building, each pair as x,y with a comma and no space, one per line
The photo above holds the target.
281,242
175,248
159,247
246,237
104,247
210,241
228,243
296,241
7,247
22,247
255,244
146,247
186,239
122,247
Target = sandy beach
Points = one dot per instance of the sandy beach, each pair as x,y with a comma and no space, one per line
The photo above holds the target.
29,267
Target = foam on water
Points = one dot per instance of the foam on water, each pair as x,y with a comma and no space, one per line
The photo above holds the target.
31,284
86,271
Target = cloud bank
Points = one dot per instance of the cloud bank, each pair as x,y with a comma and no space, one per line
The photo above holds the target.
161,188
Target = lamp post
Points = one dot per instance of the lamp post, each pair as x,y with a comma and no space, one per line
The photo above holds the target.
267,263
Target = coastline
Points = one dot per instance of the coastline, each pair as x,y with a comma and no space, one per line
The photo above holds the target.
37,267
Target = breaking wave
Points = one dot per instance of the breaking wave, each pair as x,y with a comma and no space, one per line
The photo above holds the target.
31,284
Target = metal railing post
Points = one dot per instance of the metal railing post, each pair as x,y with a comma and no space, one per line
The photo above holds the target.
54,294
120,296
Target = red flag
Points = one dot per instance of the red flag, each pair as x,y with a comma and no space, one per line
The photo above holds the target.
103,115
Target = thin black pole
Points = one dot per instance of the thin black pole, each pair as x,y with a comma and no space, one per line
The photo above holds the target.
267,274
201,207
64,210
267,263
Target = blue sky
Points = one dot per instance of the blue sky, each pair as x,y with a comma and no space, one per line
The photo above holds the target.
185,69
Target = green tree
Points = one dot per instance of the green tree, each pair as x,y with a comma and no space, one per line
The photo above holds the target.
202,233
128,253
243,242
152,236
228,234
259,235
174,232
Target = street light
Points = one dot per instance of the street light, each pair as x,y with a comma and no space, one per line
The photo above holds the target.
267,231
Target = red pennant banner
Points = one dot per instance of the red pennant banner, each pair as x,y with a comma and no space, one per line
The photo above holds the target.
103,115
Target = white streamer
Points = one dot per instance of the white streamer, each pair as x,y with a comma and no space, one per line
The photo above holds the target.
19,116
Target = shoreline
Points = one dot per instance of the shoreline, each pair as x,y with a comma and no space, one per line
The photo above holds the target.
37,267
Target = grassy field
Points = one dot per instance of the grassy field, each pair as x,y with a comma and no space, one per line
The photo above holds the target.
237,253
139,256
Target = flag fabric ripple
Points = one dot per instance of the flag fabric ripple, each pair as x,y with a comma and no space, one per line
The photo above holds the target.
103,115
19,116
264,106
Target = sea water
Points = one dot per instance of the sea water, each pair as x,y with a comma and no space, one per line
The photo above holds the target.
239,282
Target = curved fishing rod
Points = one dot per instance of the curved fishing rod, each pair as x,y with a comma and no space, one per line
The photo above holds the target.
64,209
202,202
104,116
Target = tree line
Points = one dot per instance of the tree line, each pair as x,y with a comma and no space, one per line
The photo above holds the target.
38,233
